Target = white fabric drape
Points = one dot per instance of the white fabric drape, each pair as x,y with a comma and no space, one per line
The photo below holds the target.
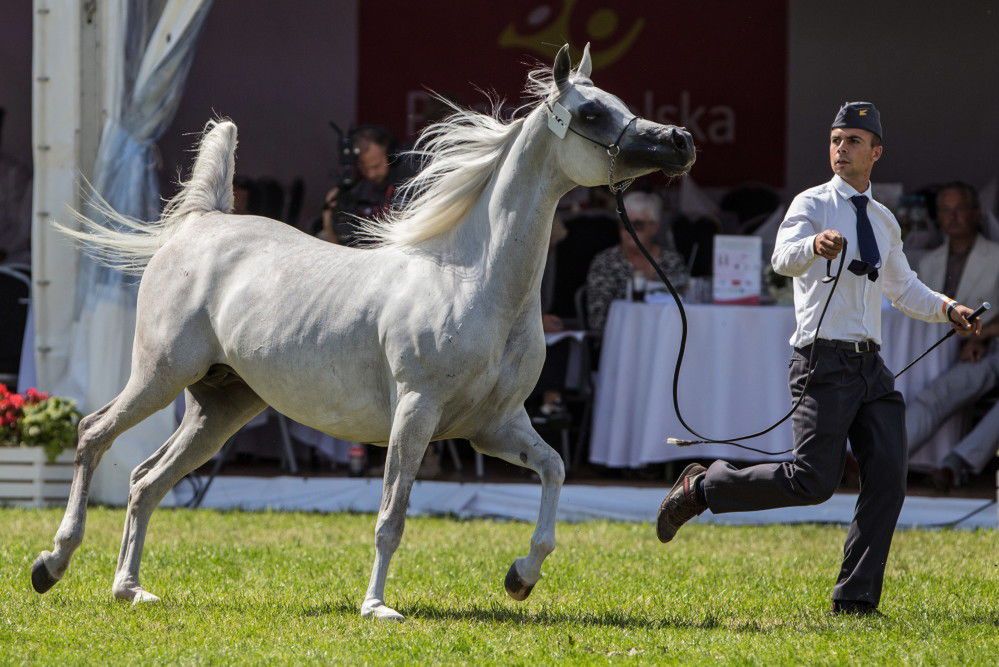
150,46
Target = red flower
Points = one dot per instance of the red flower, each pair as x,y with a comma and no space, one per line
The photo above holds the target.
10,407
35,396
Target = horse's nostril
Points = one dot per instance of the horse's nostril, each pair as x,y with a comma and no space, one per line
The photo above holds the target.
678,139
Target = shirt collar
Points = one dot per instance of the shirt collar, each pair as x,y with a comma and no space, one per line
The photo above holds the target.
846,190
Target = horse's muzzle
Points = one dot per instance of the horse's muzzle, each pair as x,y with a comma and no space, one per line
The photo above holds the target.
656,146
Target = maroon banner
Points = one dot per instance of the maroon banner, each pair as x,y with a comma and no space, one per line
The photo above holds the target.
716,67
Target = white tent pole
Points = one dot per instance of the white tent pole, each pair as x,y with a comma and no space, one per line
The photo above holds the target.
65,130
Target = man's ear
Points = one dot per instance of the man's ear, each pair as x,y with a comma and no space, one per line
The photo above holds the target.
878,150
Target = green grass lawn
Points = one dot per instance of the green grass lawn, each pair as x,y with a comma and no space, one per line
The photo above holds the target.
286,588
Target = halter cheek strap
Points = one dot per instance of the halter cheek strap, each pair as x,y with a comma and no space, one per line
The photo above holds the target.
612,149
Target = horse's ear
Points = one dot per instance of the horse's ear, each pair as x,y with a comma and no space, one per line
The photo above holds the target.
585,65
560,71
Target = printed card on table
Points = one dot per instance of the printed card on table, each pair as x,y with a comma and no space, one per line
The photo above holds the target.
738,263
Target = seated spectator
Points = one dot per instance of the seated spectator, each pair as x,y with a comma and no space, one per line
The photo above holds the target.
613,269
965,267
379,175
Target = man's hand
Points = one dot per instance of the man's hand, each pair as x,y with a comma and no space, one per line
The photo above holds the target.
958,315
828,244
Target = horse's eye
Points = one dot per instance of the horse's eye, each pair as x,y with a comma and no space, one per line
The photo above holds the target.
589,112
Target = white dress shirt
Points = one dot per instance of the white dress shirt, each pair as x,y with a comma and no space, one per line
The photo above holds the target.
855,311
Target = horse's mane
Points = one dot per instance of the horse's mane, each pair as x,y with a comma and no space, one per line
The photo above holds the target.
460,155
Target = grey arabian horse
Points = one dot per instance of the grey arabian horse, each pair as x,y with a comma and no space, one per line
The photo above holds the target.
434,333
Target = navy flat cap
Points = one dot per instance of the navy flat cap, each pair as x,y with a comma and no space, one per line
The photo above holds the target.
861,116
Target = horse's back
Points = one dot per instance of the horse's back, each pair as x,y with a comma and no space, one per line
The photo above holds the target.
251,293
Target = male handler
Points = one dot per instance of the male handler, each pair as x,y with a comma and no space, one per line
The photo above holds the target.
851,393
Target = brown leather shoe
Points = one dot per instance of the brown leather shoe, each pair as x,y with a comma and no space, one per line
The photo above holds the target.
680,505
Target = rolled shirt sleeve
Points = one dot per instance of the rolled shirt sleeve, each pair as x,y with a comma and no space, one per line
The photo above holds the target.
794,251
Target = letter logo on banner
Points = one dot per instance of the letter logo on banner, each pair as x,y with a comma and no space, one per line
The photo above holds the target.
601,26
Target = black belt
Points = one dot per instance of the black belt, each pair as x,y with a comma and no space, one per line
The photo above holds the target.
852,345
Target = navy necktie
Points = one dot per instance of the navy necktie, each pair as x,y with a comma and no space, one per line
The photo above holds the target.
870,258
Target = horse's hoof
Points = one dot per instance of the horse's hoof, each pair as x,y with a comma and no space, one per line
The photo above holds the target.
379,610
134,594
41,579
516,587
144,597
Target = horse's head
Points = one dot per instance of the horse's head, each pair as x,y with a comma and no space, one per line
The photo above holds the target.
596,126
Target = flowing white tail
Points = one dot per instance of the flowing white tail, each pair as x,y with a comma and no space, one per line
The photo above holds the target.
127,244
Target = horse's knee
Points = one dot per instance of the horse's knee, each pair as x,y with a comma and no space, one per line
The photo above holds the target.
137,474
92,441
144,494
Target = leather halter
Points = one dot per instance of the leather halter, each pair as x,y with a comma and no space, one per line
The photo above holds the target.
613,149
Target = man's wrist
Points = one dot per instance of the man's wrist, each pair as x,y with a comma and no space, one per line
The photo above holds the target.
948,307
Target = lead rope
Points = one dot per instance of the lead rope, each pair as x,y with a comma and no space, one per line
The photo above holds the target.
619,193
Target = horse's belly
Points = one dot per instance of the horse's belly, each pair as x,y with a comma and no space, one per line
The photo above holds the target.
342,394
338,416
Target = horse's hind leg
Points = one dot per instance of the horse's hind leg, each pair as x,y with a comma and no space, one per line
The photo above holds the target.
517,442
140,398
413,425
213,414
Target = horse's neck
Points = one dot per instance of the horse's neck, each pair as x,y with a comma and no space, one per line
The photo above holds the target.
507,233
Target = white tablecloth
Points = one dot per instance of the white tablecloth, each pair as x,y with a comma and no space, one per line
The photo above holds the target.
733,380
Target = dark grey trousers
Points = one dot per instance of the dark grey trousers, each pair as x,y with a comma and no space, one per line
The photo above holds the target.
851,394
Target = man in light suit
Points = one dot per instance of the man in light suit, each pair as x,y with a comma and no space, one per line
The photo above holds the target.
967,266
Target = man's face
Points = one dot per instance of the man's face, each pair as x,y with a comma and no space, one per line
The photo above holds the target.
957,216
852,154
372,161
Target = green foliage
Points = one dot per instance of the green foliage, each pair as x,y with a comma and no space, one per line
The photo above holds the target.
50,423
285,588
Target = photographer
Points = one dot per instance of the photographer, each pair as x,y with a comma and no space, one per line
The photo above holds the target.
366,190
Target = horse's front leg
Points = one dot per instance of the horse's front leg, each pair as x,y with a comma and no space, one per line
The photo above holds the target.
412,427
517,442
